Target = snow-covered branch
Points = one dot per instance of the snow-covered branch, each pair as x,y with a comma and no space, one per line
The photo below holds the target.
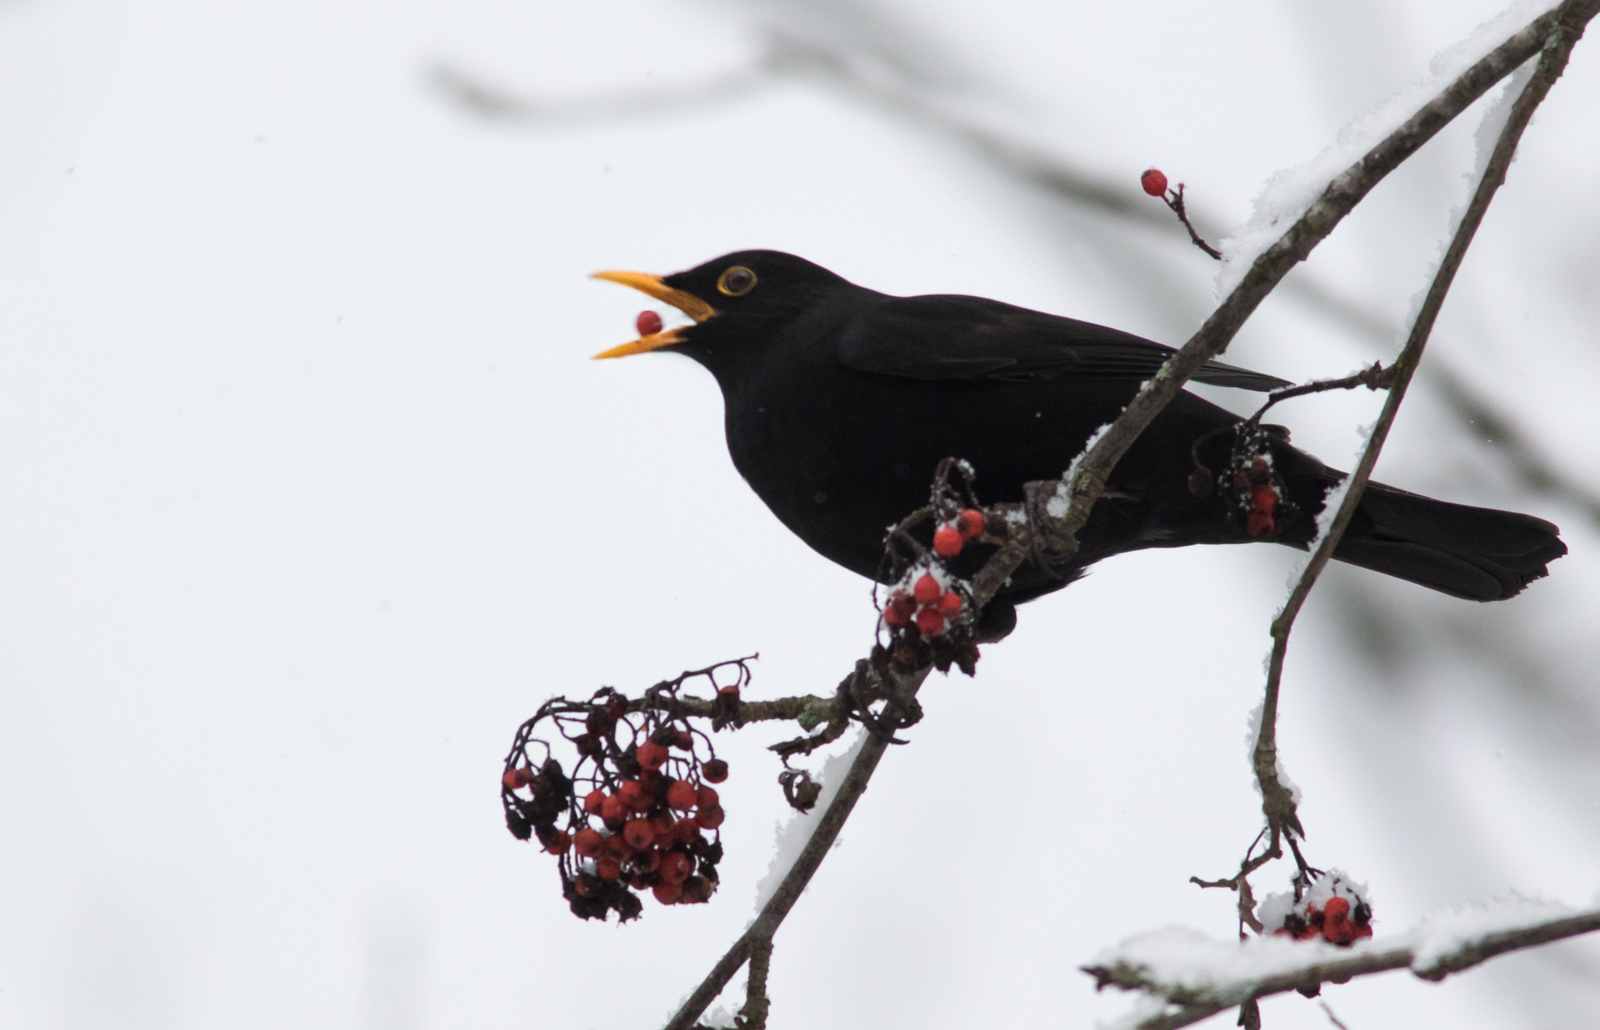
1189,977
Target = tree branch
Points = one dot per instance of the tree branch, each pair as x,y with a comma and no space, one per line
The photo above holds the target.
1200,1002
766,924
1567,28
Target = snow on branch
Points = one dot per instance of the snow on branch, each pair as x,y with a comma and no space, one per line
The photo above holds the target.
1190,977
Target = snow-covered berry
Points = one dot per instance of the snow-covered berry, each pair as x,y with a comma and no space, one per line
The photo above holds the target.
927,590
930,623
950,604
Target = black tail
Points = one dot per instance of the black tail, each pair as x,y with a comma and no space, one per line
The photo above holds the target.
1477,553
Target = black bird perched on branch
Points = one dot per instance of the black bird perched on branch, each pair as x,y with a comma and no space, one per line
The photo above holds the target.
840,401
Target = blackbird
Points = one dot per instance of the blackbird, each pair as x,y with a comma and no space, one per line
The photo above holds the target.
840,402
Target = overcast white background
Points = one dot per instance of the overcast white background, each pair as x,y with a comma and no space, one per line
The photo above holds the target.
309,494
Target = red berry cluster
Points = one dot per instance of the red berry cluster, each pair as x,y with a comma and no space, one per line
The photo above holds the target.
1324,906
1154,182
1259,494
639,813
1336,922
928,606
950,538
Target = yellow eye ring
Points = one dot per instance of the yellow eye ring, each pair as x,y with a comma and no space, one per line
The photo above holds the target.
736,281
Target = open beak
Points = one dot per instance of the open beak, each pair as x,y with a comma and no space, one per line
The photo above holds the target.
687,303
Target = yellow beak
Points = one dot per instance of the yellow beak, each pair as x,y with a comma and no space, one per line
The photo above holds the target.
687,303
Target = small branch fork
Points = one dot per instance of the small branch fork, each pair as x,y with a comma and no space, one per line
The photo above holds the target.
1196,1005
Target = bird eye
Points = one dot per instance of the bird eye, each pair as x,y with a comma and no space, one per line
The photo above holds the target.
737,281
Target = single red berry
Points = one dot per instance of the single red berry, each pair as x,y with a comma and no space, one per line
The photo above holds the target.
648,862
516,779
560,844
930,623
667,893
616,846
608,869
593,800
1154,182
648,323
639,833
634,796
950,604
649,781
685,831
715,771
682,796
710,817
731,690
684,739
614,809
971,524
927,590
899,610
707,797
652,756
947,541
676,867
587,842
697,890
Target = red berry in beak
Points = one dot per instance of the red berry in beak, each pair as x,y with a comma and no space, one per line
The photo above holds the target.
649,323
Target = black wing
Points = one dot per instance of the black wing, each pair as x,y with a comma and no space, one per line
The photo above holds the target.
954,337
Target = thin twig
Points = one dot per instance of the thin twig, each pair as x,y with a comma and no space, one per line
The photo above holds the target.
1564,34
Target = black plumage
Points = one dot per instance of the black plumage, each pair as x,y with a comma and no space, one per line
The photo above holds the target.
840,401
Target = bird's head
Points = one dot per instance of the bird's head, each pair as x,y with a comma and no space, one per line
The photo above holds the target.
737,301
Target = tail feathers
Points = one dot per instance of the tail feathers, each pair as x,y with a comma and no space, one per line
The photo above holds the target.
1476,553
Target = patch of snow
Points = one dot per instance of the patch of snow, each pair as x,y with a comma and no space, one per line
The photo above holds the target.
793,834
1225,972
1443,934
1056,507
1290,192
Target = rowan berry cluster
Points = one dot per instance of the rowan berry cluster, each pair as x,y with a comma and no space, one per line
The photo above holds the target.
638,815
1259,496
1257,489
1331,908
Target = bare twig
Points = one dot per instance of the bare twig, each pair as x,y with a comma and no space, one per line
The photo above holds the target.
1567,28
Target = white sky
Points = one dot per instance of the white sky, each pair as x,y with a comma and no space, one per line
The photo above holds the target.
310,495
